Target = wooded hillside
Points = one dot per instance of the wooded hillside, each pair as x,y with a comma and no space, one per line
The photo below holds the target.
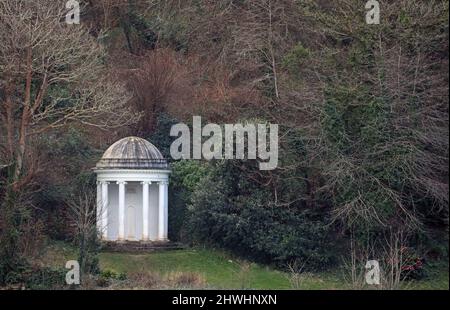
362,110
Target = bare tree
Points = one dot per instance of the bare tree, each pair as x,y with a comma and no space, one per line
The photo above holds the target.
257,37
406,138
297,274
83,215
388,251
52,73
151,80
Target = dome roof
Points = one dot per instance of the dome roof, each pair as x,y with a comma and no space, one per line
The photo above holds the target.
132,153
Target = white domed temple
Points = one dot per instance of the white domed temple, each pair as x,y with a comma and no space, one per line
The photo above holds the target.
132,192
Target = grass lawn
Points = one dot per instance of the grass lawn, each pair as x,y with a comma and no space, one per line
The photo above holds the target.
219,269
222,270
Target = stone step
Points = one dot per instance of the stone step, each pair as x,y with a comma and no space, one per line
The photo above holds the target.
140,246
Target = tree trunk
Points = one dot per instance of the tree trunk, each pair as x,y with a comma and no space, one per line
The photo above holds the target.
25,120
9,121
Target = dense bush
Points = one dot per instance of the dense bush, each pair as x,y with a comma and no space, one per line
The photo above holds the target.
20,236
35,277
185,178
45,278
229,211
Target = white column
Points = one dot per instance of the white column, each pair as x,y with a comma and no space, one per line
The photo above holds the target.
163,211
166,210
99,209
145,206
121,209
104,210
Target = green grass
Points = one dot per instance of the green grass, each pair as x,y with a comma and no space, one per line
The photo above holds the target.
219,270
223,271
